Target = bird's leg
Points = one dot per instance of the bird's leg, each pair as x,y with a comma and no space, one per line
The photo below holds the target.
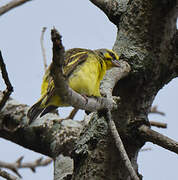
75,110
85,97
71,116
72,113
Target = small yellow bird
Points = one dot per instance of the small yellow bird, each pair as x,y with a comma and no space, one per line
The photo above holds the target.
84,69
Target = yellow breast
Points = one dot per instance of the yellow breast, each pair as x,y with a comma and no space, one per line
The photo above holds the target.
86,78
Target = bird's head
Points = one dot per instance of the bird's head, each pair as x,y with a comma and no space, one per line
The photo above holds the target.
110,58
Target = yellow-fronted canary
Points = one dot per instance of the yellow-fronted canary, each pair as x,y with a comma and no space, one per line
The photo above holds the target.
84,69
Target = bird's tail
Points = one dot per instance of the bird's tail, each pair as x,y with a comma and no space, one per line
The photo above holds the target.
35,111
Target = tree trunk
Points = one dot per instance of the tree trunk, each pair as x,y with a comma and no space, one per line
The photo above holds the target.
146,40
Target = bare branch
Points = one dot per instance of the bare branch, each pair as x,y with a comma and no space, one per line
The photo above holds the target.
42,48
152,136
9,88
112,8
145,149
69,96
121,148
155,111
158,124
38,163
18,164
8,176
11,5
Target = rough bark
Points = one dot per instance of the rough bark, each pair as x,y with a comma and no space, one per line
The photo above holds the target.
45,135
148,40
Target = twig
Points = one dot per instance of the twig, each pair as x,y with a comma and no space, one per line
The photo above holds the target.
158,124
145,149
155,111
18,164
11,5
8,176
152,136
9,88
42,47
121,148
69,96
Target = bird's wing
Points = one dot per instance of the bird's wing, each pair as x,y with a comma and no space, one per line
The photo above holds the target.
73,58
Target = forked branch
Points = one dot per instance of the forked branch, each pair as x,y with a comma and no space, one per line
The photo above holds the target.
19,164
112,8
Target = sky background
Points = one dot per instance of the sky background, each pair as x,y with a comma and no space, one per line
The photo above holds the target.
82,25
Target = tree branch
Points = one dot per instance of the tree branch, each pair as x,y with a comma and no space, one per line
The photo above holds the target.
152,136
18,164
11,5
112,8
158,124
154,110
46,136
120,147
9,88
112,77
42,48
8,176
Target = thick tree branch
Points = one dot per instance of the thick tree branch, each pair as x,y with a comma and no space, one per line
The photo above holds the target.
152,136
112,77
120,146
112,8
18,164
9,88
11,5
46,136
8,176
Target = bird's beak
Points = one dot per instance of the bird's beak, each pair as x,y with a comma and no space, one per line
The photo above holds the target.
116,63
